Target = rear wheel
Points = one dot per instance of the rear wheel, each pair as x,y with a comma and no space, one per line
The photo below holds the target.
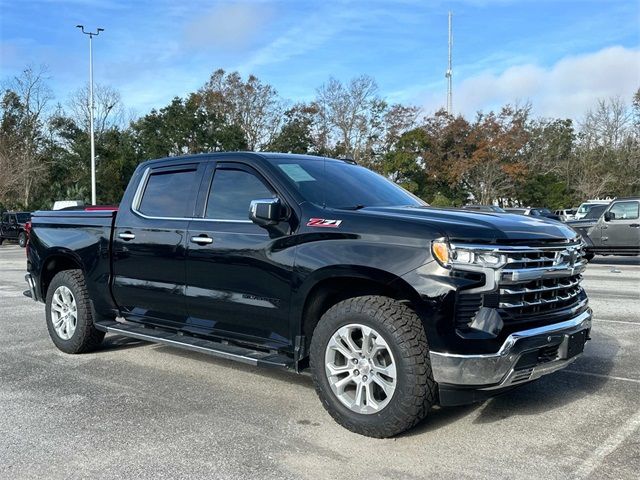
22,239
589,256
370,366
69,314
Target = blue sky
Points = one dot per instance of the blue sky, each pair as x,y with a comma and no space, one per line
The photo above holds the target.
561,55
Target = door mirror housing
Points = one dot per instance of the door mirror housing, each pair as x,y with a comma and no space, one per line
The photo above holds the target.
266,211
608,216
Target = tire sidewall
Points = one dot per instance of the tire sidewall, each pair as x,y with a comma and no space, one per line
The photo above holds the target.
325,330
22,239
83,321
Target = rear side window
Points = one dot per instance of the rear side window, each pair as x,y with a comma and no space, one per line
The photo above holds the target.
167,194
625,210
231,194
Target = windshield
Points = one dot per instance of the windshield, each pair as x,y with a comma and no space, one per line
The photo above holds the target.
545,211
585,207
595,211
23,217
339,184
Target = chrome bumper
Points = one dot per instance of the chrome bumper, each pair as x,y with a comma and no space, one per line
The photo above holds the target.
497,370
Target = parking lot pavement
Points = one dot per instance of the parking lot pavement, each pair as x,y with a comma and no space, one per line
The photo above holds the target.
137,410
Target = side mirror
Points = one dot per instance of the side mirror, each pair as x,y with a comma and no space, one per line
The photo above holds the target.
265,212
608,216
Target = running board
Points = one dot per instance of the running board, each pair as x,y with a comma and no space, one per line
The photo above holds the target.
216,349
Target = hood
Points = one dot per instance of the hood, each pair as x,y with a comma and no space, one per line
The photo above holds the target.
481,227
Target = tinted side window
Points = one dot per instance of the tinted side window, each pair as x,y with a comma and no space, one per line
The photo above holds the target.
625,210
167,194
231,194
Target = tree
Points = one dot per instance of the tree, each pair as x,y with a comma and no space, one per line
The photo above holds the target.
24,105
184,127
108,108
608,151
349,116
251,105
296,134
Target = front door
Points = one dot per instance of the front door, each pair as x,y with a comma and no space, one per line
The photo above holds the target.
238,281
623,229
149,246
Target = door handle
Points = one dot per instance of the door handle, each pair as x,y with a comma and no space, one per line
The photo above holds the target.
203,240
126,236
635,225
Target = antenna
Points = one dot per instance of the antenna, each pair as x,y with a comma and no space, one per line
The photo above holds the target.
449,73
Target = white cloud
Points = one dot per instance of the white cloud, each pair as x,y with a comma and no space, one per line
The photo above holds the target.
567,89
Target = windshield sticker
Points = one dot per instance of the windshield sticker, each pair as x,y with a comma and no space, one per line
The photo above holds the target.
296,173
323,222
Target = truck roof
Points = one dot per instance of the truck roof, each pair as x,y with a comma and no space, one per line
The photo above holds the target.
262,155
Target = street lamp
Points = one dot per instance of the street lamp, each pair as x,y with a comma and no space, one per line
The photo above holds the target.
93,148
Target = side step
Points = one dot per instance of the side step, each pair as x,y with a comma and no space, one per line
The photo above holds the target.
216,349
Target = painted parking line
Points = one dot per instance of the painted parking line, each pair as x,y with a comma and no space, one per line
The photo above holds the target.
600,375
608,446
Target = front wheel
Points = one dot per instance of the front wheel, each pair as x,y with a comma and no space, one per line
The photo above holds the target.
22,239
370,366
69,315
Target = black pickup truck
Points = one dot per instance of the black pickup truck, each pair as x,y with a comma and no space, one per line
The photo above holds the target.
13,226
317,264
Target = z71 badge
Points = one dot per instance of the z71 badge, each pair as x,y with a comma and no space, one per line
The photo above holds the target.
323,222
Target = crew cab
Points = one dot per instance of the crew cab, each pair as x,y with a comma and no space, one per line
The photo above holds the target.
321,265
14,226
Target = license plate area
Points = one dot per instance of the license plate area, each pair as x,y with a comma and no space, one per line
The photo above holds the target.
574,344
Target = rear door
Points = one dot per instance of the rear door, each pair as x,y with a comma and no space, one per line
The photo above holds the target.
149,245
238,279
623,230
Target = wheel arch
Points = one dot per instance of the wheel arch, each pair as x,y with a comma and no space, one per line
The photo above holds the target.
54,264
332,285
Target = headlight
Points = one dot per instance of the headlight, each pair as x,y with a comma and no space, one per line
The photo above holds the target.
451,255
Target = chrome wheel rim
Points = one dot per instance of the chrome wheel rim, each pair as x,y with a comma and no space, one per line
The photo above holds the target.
64,313
360,368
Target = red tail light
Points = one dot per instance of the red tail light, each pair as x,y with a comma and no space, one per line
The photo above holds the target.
27,228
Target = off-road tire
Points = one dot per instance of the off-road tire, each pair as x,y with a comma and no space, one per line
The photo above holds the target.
402,329
85,337
22,239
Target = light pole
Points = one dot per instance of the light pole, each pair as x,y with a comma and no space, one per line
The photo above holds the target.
93,147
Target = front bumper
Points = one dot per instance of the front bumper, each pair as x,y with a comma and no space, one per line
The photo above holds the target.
524,356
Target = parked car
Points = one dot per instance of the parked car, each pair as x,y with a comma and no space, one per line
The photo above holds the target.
615,232
584,208
534,212
317,264
485,208
13,226
566,214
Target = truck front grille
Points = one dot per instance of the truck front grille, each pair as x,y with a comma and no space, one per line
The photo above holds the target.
533,286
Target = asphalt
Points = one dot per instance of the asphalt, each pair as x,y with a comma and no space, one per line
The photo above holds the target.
138,410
